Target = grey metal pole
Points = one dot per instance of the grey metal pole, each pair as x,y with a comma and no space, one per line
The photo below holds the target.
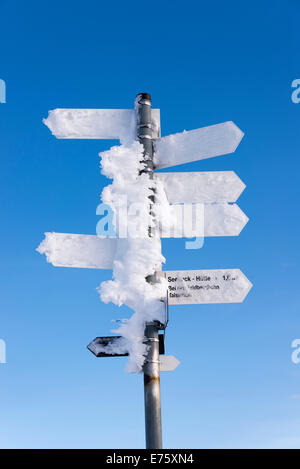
152,390
153,426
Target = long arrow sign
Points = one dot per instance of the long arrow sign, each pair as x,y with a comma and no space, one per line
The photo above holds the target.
197,144
206,187
206,286
96,123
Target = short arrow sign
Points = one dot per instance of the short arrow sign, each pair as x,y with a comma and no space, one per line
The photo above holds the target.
117,346
168,363
112,346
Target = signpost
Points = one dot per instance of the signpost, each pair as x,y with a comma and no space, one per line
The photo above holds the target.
205,196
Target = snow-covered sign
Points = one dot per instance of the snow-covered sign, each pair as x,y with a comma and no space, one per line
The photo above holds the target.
168,363
97,123
117,346
206,286
77,250
206,187
187,220
197,144
109,346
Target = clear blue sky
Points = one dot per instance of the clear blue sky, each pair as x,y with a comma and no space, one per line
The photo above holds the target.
203,63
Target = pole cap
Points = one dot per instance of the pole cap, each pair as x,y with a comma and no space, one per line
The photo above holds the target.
146,96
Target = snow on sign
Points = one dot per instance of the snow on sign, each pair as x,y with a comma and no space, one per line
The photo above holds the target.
77,250
206,286
97,123
204,187
197,144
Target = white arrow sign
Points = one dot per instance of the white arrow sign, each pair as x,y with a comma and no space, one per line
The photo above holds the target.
187,221
97,123
76,250
206,286
168,362
206,187
197,144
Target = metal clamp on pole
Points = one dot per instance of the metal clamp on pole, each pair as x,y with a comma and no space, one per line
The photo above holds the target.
152,364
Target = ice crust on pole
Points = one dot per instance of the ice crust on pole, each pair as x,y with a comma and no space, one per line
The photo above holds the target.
138,256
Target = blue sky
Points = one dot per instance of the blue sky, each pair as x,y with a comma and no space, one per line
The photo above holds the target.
203,63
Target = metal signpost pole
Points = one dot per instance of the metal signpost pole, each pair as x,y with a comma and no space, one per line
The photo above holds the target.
152,366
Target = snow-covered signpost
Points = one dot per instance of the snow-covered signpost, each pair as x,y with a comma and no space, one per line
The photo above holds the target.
147,206
152,365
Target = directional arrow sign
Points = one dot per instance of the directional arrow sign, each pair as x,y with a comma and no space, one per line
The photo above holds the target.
206,286
117,346
187,221
198,144
75,250
113,346
206,187
97,123
168,363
